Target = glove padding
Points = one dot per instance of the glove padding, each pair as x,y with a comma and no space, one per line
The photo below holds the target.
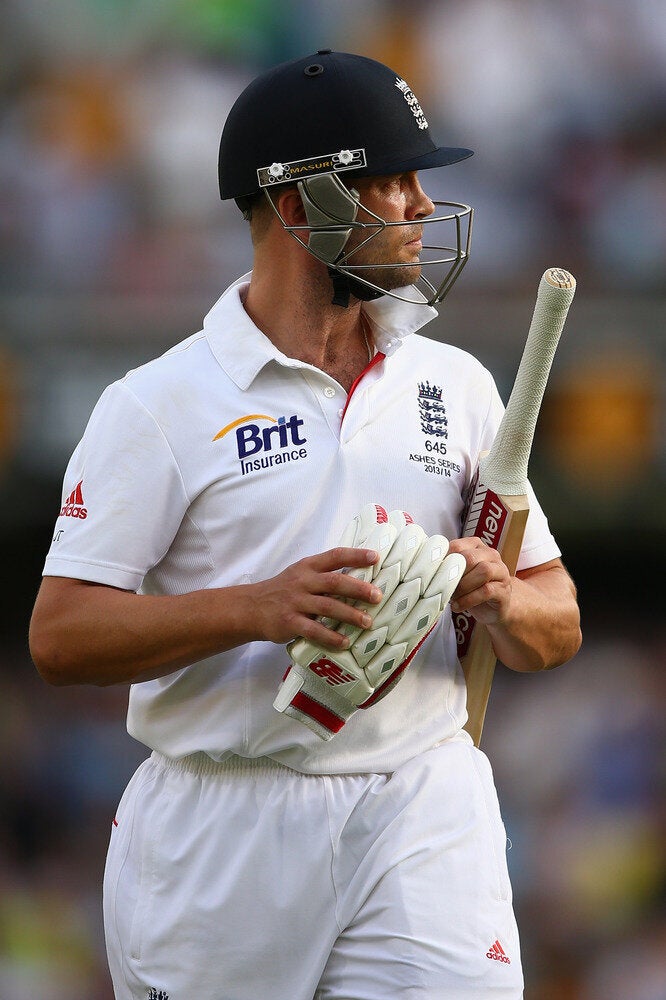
322,688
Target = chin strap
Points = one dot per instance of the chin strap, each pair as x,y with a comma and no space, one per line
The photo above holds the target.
344,287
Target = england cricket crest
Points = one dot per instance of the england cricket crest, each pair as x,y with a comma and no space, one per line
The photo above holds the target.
432,411
434,460
413,103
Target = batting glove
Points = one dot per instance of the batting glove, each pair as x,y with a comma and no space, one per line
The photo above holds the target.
322,688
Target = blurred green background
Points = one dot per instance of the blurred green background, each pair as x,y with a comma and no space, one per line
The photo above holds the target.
113,245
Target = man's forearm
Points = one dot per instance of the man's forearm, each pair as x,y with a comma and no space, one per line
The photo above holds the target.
103,636
542,628
89,633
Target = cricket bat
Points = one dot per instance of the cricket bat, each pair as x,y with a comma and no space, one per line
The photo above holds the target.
497,506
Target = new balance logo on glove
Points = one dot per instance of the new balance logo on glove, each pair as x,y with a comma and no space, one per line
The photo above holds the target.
330,671
417,577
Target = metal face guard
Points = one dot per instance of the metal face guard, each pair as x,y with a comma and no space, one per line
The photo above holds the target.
331,210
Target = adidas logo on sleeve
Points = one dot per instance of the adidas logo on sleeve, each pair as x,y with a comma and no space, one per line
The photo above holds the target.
73,505
497,953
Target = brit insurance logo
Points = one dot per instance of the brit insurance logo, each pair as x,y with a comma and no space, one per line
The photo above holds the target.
264,442
435,426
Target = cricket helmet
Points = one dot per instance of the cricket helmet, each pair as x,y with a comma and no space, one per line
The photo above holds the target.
320,121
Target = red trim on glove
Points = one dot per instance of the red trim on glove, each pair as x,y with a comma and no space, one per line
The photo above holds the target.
396,673
322,715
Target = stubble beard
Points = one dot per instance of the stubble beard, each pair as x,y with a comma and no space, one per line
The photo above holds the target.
388,278
392,275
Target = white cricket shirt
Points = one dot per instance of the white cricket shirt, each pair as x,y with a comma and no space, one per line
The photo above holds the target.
224,461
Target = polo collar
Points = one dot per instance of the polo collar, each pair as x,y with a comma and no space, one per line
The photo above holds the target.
242,350
395,319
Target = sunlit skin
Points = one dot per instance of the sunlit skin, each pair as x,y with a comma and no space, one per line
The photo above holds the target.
394,198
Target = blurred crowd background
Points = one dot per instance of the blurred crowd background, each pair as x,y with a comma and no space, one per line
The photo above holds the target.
113,245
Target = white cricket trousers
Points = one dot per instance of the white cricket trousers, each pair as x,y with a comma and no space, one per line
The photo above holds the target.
249,881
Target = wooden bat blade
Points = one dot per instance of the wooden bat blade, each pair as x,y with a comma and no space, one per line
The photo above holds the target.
500,521
498,510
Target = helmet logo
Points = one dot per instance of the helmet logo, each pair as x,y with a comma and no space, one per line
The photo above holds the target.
414,105
331,163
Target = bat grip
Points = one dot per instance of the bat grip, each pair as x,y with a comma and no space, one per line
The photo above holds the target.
505,467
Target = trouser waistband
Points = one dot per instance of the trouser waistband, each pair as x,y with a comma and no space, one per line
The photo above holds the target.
201,764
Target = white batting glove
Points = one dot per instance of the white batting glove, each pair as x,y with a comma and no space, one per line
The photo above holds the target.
322,688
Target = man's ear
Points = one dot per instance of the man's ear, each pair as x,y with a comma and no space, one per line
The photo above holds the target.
289,205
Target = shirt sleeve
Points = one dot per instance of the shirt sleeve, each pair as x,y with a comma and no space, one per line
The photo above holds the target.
539,545
123,497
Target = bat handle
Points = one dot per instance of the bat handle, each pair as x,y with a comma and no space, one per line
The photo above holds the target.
505,468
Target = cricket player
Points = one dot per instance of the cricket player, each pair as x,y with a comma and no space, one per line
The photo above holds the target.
312,821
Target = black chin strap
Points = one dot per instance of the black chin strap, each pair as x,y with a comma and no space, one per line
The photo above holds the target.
344,287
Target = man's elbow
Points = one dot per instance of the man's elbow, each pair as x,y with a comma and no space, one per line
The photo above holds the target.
576,643
568,648
50,656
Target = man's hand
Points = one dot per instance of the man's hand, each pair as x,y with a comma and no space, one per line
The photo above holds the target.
312,592
486,587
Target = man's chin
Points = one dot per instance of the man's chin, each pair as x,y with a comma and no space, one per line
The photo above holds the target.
389,278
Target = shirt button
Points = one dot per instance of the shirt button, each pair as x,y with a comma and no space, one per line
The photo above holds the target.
340,412
329,391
